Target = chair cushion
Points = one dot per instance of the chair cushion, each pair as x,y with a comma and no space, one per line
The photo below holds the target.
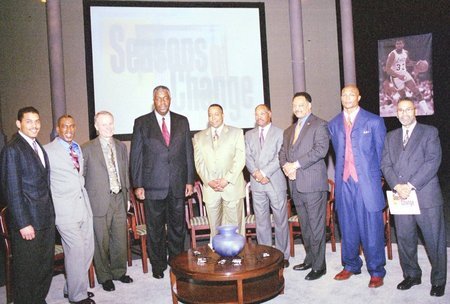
59,249
251,219
199,221
141,229
293,218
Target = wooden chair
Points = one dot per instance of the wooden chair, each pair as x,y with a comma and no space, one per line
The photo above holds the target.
139,229
387,224
58,257
387,231
294,224
250,218
196,218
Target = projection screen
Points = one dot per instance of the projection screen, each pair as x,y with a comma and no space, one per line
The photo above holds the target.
204,52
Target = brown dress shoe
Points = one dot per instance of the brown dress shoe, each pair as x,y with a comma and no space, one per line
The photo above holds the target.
375,282
345,275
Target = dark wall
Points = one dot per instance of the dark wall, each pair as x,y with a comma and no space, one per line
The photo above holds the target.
382,19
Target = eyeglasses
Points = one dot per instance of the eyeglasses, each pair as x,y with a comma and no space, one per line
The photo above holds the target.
405,111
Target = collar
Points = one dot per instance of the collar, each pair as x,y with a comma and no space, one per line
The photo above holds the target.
159,117
67,145
352,116
410,128
27,138
219,130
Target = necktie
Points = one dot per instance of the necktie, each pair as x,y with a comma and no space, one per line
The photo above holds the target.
74,157
349,121
35,147
405,140
261,137
114,183
165,132
215,138
297,131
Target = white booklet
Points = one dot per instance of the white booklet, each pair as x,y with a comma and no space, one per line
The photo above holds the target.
397,205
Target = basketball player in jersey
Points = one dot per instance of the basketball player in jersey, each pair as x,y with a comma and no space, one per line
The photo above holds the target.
396,64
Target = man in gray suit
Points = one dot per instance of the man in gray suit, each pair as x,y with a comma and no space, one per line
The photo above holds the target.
305,145
72,209
268,183
107,183
411,159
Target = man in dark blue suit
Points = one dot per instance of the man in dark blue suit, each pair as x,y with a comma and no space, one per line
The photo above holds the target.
162,174
411,159
358,138
25,178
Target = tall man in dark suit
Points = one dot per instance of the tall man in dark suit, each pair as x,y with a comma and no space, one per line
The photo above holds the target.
162,174
358,139
305,145
107,183
72,208
25,179
411,159
268,183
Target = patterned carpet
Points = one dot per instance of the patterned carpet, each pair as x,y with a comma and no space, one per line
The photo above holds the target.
145,289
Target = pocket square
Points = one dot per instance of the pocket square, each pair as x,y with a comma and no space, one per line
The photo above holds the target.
366,131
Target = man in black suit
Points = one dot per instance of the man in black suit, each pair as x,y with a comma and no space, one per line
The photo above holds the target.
411,159
25,178
162,174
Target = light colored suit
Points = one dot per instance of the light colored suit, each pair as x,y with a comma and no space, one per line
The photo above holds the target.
109,210
271,196
224,161
418,164
73,217
309,189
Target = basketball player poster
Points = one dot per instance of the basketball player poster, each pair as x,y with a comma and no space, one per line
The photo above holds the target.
405,70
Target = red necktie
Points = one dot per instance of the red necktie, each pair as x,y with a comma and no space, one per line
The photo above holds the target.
165,132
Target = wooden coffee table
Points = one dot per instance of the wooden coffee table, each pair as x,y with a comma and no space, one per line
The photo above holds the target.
258,278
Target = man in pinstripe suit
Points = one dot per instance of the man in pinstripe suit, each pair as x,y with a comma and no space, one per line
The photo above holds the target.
305,145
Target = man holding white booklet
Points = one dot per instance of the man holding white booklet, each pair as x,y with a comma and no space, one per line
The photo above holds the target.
411,159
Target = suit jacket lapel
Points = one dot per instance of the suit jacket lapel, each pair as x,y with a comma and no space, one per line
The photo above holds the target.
304,129
413,139
98,146
153,125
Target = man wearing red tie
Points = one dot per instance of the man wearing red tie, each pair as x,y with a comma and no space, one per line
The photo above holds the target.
358,138
162,174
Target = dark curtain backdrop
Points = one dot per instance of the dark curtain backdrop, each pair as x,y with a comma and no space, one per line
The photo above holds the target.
381,19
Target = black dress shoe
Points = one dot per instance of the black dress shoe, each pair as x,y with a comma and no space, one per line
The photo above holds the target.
108,285
409,282
125,279
85,301
158,275
437,290
285,263
89,294
302,266
315,274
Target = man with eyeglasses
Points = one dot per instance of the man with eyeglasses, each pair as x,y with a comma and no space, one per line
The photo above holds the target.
411,158
358,138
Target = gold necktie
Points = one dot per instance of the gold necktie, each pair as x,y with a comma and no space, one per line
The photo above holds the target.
296,132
